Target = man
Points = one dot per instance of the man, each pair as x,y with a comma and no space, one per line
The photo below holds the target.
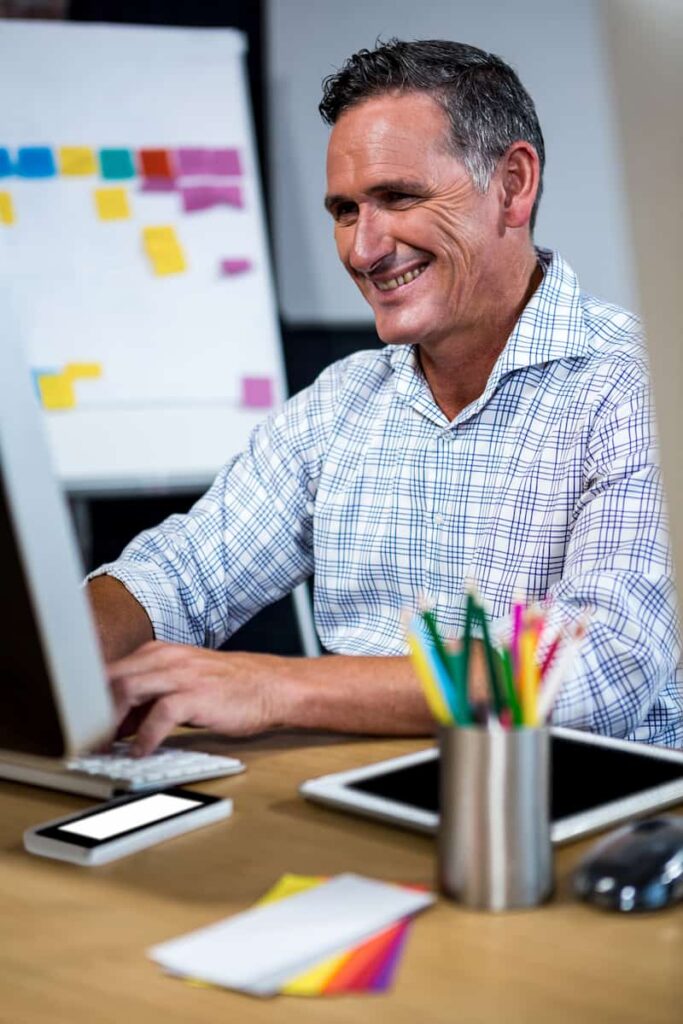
502,435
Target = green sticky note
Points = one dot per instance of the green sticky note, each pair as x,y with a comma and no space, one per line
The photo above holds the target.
116,164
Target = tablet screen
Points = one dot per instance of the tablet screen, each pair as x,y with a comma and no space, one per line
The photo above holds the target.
584,775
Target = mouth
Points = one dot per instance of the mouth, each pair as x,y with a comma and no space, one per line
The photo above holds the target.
401,280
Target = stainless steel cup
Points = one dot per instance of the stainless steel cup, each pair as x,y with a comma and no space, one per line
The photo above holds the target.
494,850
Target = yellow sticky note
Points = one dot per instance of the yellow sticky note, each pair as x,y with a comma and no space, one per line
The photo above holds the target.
56,391
112,203
164,250
7,215
159,240
75,370
76,160
171,262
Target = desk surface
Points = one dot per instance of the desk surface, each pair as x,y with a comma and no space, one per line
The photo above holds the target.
73,940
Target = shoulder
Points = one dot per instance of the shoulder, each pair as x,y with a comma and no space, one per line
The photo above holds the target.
616,354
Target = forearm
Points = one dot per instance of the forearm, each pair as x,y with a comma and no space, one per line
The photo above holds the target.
121,621
344,693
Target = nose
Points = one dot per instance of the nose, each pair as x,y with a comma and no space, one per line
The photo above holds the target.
372,241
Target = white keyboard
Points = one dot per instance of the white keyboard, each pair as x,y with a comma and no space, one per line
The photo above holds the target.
166,766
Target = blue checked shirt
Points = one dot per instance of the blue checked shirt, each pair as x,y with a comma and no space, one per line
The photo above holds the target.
547,485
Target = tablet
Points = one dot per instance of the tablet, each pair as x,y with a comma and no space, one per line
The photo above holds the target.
596,782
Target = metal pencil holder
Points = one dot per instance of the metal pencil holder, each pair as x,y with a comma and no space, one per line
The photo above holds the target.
494,849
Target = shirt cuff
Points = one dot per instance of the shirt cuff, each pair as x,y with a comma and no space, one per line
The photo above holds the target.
150,587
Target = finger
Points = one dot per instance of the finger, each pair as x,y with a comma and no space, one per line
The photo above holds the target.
164,715
154,654
132,691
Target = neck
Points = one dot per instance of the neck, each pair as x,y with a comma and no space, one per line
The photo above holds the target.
458,368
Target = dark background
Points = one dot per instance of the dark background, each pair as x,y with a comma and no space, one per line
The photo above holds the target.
307,348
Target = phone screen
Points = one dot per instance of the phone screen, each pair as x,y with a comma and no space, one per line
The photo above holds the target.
116,820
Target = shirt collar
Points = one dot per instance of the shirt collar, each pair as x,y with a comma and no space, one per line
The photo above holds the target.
550,327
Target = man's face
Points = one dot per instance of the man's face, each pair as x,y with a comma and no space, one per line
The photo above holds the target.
421,243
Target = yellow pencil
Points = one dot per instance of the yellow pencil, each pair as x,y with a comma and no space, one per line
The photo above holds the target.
529,676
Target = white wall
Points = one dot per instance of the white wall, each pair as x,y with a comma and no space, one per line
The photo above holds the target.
557,50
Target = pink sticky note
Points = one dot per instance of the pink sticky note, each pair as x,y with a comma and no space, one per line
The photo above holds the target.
157,185
193,161
231,195
203,197
197,197
234,266
224,161
257,392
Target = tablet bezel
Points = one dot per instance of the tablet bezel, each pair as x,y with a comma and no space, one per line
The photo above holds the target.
333,791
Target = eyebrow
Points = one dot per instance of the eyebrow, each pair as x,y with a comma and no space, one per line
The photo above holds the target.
408,185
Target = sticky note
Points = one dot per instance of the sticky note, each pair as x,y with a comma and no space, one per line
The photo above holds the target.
247,951
157,185
76,161
56,391
203,197
7,214
224,161
156,163
35,162
6,165
164,250
257,392
112,203
36,374
234,266
76,371
116,164
158,239
191,161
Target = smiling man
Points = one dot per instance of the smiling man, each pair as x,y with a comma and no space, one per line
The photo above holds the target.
503,435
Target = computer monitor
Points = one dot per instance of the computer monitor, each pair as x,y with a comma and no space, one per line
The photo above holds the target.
55,697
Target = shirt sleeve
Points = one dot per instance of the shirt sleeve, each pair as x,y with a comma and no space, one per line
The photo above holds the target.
246,542
618,570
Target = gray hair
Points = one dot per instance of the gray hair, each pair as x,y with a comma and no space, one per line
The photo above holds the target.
487,106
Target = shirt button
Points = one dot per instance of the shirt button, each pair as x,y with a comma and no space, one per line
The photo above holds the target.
439,519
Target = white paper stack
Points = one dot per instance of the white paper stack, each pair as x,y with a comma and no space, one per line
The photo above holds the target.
259,950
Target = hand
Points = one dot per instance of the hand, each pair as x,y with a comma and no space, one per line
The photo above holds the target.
162,685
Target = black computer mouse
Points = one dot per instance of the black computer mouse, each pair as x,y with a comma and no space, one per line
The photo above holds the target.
637,867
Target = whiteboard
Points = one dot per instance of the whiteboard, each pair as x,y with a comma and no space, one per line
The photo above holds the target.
189,359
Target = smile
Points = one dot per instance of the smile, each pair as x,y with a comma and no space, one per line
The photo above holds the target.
396,282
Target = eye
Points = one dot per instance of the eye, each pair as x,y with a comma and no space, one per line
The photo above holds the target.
399,198
343,213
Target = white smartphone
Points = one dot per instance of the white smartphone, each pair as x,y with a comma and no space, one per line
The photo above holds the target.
125,825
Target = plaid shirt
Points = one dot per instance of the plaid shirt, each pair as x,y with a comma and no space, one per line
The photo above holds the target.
547,485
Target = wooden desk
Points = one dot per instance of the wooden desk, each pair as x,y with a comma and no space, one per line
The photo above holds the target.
73,939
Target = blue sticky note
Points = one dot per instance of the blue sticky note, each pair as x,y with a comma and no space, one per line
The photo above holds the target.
36,162
6,167
116,164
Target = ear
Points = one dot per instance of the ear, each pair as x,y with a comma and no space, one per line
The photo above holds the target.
520,174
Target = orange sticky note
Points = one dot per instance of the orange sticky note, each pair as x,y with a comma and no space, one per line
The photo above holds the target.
7,214
112,203
76,161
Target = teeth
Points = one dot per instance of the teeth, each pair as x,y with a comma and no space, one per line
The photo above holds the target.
389,286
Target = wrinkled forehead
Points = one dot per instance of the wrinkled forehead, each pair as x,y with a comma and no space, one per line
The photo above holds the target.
402,134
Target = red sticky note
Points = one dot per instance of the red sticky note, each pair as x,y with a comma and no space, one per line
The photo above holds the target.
156,163
257,392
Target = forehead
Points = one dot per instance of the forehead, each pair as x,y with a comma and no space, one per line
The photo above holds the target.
405,134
